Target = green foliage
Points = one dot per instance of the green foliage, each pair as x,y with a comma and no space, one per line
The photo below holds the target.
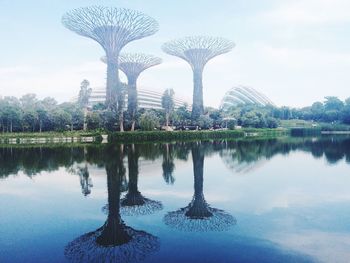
94,121
84,93
144,136
168,104
182,116
205,122
149,121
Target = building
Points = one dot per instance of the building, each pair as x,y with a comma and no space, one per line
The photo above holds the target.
147,99
242,95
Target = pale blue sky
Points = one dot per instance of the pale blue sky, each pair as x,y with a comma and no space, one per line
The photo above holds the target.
294,51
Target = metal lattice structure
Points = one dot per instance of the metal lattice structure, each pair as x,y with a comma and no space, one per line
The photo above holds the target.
197,51
112,28
132,65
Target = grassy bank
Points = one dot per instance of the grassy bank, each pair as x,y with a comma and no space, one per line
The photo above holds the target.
64,134
316,126
159,136
50,137
143,136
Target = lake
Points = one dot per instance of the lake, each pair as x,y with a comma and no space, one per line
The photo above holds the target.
259,200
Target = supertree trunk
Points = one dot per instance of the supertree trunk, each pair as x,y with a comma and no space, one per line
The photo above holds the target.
132,101
112,84
120,108
197,106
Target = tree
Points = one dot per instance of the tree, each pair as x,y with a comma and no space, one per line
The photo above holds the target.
84,93
29,120
317,109
182,115
112,28
62,119
197,51
333,103
93,121
12,113
205,122
149,121
168,104
83,98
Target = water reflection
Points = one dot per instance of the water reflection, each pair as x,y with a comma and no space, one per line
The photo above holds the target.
168,165
275,208
134,203
82,171
239,156
198,215
114,241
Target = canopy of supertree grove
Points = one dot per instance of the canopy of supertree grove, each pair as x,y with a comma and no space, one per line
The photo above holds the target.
112,28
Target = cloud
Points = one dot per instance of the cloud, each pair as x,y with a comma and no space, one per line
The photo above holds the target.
324,246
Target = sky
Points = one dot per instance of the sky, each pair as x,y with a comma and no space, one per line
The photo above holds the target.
295,52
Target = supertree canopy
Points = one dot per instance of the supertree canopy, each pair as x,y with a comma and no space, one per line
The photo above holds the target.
133,64
134,203
112,28
197,51
198,216
114,241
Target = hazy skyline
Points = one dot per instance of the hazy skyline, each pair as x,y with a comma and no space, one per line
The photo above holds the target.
295,52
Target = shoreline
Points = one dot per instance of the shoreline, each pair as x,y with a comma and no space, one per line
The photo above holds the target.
131,137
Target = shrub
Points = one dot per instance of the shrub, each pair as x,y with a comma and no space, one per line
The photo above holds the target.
149,121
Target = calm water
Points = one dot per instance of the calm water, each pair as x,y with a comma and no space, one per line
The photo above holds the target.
276,200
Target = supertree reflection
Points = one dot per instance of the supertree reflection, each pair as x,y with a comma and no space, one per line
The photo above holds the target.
134,203
199,216
114,241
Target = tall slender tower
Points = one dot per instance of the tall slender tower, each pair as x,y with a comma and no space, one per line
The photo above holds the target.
112,28
133,64
197,51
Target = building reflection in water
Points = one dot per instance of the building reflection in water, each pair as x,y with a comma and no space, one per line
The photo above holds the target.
114,241
199,216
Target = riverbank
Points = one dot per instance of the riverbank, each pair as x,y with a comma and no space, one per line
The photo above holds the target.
160,136
130,137
50,138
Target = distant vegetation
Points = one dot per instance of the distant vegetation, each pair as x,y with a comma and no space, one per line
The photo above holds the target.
30,114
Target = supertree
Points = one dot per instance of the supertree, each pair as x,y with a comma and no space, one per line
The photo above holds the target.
134,203
112,28
197,51
133,64
199,216
114,241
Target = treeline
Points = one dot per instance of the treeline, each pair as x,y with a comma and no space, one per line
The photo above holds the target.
30,114
331,110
